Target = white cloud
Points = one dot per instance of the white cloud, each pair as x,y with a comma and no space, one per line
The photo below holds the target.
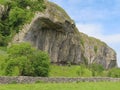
96,30
115,38
90,29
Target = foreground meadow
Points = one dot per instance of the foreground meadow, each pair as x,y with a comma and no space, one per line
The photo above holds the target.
63,86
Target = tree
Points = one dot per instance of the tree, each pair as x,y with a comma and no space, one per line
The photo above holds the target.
25,60
41,63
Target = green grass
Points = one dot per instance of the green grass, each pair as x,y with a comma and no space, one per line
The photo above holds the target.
69,71
64,86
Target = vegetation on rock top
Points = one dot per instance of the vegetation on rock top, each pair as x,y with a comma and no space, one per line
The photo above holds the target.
18,12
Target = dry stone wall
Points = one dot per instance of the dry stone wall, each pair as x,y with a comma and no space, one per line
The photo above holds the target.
26,79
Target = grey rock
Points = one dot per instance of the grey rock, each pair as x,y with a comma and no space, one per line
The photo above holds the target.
55,32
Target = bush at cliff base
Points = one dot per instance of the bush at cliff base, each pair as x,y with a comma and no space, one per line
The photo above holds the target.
24,60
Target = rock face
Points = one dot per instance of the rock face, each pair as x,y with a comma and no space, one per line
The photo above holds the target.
53,31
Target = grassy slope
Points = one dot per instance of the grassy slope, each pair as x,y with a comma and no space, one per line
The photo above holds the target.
66,71
64,86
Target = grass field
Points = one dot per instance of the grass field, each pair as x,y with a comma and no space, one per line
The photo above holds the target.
64,86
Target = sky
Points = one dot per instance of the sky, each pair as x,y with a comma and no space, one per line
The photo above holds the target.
96,18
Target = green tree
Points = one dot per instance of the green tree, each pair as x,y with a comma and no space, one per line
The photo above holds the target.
22,49
41,63
25,60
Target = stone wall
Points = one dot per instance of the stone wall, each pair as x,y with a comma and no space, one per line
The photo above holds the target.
26,79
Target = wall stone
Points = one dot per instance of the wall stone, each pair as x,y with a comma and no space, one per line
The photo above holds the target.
26,79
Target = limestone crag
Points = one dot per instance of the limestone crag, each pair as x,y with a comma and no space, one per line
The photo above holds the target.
55,32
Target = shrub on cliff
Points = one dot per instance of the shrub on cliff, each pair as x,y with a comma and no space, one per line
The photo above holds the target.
24,60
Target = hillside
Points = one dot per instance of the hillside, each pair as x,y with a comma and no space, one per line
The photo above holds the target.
50,29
